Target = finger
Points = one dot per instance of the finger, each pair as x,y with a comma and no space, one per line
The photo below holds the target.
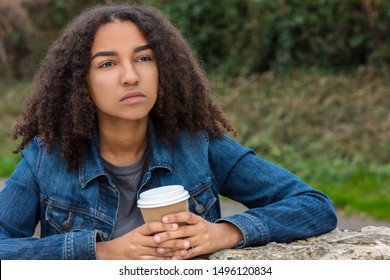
153,227
182,217
196,248
185,254
161,253
192,252
157,257
167,252
183,232
175,244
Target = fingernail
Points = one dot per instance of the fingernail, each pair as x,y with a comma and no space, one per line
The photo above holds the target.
175,226
183,252
165,219
161,251
157,238
186,244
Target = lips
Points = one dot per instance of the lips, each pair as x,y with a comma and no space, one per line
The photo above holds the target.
131,95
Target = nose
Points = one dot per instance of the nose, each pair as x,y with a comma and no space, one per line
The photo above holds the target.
129,75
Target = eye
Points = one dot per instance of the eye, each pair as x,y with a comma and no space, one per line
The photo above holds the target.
144,58
107,64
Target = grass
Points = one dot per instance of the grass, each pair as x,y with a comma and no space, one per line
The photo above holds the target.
356,186
332,130
8,160
12,96
364,190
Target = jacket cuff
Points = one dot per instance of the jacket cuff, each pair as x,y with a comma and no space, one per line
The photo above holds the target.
80,245
255,233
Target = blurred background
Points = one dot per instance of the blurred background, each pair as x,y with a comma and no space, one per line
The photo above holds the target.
306,82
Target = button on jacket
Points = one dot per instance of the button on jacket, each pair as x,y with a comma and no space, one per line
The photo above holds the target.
77,208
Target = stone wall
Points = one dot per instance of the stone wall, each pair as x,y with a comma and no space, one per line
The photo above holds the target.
368,243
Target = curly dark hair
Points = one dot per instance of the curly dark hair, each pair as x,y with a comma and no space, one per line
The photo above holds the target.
61,111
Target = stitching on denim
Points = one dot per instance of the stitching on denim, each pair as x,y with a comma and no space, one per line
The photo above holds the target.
67,246
84,211
92,244
40,145
202,187
232,169
265,237
72,245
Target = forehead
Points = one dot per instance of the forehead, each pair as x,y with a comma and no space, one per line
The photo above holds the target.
118,33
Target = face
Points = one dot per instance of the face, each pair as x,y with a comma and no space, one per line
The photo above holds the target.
123,76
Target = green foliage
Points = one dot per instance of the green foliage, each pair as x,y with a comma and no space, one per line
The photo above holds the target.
234,37
8,161
250,36
360,188
337,115
225,36
331,130
12,96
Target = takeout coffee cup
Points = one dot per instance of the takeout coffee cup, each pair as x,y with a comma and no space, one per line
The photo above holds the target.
156,203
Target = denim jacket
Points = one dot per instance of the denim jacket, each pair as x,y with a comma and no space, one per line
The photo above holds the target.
78,208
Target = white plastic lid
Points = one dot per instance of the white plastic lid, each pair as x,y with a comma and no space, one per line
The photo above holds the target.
162,196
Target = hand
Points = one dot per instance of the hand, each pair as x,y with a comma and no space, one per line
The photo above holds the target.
204,237
139,244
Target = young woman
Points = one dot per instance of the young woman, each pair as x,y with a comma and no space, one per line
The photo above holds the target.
121,106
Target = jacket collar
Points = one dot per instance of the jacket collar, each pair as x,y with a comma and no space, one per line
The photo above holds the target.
159,148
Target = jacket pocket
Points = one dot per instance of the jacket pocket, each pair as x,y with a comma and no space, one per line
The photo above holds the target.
63,218
203,202
60,220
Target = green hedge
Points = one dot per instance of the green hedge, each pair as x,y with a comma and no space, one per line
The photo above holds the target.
232,36
236,36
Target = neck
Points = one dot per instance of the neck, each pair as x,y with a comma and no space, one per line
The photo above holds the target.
123,143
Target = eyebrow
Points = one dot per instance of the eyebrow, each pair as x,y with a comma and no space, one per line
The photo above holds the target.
113,53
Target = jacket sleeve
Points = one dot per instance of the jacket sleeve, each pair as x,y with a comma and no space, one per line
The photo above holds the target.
69,246
282,208
19,215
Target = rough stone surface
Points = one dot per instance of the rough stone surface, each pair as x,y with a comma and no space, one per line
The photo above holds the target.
368,243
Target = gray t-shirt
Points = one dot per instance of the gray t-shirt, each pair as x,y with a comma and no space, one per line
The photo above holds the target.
127,180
